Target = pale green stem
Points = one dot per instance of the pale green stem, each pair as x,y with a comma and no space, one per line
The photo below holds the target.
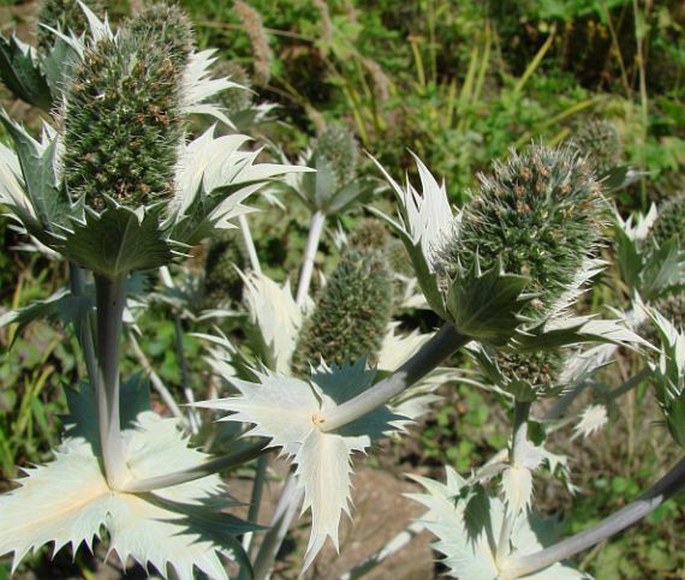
288,503
248,242
445,342
110,298
519,439
84,326
208,467
666,487
313,239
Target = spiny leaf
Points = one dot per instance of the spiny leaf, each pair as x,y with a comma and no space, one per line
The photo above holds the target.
282,409
68,501
117,241
22,73
470,549
485,306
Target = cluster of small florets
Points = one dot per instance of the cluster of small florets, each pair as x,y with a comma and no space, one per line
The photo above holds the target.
352,312
538,215
122,122
223,283
531,375
234,100
168,25
338,146
600,141
671,220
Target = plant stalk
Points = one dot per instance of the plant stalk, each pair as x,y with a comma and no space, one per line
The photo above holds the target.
666,487
445,342
315,230
110,299
204,469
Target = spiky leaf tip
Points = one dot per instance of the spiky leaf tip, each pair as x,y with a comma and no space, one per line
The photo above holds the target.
538,215
122,122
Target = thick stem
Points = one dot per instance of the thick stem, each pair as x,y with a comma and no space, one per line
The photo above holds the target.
255,503
209,467
110,298
445,342
315,230
516,457
665,488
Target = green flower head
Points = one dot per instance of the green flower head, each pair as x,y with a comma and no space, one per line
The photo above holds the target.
352,312
600,141
167,24
122,122
538,215
670,220
338,147
65,16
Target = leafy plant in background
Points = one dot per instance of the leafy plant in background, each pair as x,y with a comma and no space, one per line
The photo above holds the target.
117,185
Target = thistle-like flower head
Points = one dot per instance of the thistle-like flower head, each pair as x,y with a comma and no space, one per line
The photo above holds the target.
670,221
538,215
532,226
600,141
122,122
63,15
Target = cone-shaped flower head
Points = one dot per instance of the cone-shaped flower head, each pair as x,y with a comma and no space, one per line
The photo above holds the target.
167,24
338,146
223,283
122,122
538,215
352,312
335,185
63,15
237,98
600,141
521,246
670,221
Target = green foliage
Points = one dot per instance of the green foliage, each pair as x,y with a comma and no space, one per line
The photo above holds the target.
118,144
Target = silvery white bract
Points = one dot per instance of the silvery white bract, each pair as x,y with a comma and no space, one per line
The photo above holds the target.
467,525
68,501
283,409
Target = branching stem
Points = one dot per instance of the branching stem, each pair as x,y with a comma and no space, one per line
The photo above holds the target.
665,488
445,342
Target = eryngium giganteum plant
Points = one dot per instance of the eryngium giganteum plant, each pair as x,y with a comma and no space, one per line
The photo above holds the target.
517,252
115,189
